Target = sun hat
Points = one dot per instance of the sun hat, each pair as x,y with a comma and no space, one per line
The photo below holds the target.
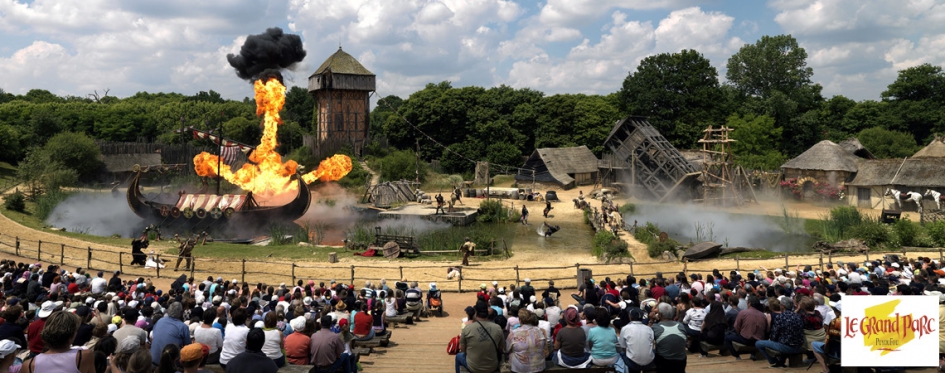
482,286
47,309
8,347
129,345
112,328
298,323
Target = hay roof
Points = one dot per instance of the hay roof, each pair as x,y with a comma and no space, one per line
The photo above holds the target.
125,162
824,156
853,146
871,172
342,63
559,162
935,149
921,172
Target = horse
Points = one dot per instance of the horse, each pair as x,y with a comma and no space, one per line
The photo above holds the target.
936,196
913,196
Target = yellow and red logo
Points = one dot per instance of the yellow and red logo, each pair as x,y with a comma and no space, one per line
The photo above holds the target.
903,330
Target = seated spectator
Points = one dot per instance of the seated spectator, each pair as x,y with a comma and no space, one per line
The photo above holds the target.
787,334
328,350
234,340
602,341
570,343
297,344
274,342
713,328
194,356
363,324
57,334
527,345
480,343
670,339
140,362
252,359
830,346
209,336
750,326
414,301
170,354
637,340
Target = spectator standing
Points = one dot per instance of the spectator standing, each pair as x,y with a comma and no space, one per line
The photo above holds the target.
210,337
169,330
637,339
480,343
234,340
328,350
551,290
787,334
526,345
252,359
670,339
527,290
297,344
57,335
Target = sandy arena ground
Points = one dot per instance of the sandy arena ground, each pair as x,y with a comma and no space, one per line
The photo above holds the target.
532,264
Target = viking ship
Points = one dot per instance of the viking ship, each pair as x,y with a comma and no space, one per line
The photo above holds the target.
204,210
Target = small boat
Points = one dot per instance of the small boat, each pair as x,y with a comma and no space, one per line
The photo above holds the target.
203,210
703,250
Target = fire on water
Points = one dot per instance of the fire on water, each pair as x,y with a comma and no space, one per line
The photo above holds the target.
265,174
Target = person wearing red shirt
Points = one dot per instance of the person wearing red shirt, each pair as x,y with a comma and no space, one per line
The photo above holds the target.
33,337
73,288
363,324
658,290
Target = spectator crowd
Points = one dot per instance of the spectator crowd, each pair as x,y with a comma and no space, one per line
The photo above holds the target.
53,320
657,323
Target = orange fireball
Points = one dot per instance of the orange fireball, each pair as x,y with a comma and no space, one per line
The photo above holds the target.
265,174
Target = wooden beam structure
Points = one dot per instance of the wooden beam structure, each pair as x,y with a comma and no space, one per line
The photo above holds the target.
654,162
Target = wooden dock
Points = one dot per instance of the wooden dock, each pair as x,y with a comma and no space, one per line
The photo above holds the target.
461,216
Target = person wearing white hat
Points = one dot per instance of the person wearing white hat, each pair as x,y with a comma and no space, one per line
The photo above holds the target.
527,291
8,351
36,344
297,344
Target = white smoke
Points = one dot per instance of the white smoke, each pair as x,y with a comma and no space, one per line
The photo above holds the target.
100,214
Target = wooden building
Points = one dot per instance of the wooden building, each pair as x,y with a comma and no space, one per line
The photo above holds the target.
825,162
342,88
562,167
925,170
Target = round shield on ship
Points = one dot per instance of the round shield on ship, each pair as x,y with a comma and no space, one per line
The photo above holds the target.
216,213
165,211
175,212
188,213
229,212
201,213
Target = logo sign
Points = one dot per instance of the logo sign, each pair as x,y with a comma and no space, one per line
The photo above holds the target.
889,331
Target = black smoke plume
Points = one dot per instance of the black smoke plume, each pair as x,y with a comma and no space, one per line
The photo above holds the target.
266,54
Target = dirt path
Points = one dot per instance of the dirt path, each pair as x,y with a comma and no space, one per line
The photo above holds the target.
375,177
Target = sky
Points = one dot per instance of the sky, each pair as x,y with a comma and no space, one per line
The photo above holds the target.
70,47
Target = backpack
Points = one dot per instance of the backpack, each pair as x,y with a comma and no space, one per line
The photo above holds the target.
435,302
452,347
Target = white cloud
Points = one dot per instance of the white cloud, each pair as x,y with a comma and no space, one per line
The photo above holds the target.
576,13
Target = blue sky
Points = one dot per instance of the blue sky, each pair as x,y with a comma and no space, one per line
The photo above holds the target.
556,46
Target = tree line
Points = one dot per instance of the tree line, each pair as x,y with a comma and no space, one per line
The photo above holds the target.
777,112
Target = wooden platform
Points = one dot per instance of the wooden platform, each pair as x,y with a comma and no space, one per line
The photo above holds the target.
377,341
461,215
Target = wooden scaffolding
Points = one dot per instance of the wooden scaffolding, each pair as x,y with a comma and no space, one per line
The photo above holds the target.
722,182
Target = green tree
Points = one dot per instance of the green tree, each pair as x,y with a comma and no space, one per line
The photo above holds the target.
832,113
868,114
574,120
400,165
6,96
76,151
299,107
386,107
884,143
40,173
11,146
44,124
247,131
39,96
678,92
771,77
211,96
756,140
917,98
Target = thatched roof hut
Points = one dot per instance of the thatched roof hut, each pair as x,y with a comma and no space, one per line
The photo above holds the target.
567,167
875,172
920,173
935,149
824,156
853,146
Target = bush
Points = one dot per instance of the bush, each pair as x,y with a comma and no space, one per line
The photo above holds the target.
627,208
492,211
46,203
358,176
15,202
907,232
873,233
647,234
400,165
842,218
656,248
936,231
75,150
607,246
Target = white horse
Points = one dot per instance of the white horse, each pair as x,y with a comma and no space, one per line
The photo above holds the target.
936,196
913,196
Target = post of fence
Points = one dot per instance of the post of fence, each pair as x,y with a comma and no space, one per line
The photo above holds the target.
352,275
193,267
821,260
685,265
402,273
158,267
786,263
293,273
88,262
17,246
243,272
39,250
460,283
516,276
830,257
867,256
62,254
631,269
738,264
121,268
941,258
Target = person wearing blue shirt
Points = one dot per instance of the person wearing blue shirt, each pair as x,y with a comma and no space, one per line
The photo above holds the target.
169,330
602,341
